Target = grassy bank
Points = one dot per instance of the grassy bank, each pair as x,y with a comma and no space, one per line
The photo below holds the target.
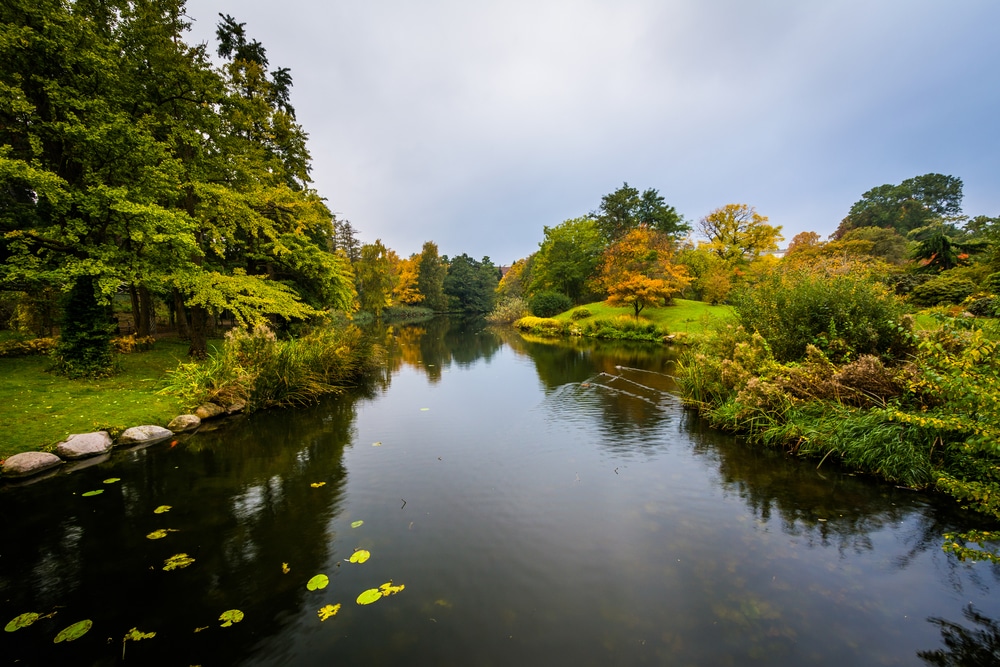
38,409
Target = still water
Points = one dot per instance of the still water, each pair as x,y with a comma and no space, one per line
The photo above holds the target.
540,503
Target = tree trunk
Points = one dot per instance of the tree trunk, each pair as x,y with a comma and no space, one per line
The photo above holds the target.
180,315
144,325
198,343
134,298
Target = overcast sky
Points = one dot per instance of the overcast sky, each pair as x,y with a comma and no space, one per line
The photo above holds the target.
475,123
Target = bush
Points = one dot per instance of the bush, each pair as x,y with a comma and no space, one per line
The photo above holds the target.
509,309
579,314
24,348
942,290
132,343
623,327
984,306
256,367
844,315
548,304
542,326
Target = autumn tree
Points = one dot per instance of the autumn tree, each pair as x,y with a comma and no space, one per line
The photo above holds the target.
737,233
625,209
516,282
638,270
407,272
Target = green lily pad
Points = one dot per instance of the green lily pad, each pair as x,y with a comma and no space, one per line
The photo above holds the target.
317,583
112,480
22,621
161,509
369,596
357,524
75,631
92,493
177,562
230,617
360,556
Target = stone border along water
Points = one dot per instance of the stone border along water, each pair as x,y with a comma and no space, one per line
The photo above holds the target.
83,446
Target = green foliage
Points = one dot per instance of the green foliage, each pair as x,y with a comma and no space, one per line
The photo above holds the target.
944,289
623,328
84,348
549,304
24,348
907,206
625,209
255,367
508,310
471,285
431,275
567,258
542,326
373,273
579,314
842,314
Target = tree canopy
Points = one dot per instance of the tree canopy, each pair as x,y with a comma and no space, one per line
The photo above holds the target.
625,209
910,205
736,232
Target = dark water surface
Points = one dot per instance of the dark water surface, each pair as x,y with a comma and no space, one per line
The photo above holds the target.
542,504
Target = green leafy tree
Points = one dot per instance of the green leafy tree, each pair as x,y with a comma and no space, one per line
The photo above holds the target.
907,206
567,258
471,285
625,209
431,274
375,278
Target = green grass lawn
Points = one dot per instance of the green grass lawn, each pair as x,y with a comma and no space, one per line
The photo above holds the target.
683,316
39,409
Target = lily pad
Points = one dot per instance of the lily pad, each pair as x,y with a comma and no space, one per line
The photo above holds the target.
22,621
92,493
160,534
317,583
75,631
161,509
360,556
328,611
357,524
177,562
112,480
230,617
369,596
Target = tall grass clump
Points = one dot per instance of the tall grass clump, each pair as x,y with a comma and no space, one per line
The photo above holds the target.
623,328
508,310
261,370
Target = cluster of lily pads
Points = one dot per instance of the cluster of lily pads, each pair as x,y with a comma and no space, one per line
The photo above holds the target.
228,618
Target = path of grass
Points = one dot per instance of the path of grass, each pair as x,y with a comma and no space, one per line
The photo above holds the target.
39,409
682,317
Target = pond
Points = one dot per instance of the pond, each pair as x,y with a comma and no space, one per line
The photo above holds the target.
531,502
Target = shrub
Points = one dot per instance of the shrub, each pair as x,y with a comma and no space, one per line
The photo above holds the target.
547,304
24,348
623,327
843,315
508,310
942,290
256,367
579,314
541,326
132,343
984,306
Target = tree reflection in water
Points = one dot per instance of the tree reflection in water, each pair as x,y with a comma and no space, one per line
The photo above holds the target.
965,647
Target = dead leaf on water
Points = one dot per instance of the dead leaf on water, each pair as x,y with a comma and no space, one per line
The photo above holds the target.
230,617
316,485
357,524
328,611
161,509
160,534
285,569
177,562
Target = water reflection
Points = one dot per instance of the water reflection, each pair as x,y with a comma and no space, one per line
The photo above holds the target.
242,502
965,647
434,345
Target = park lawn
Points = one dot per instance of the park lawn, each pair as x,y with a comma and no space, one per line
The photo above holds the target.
683,316
39,409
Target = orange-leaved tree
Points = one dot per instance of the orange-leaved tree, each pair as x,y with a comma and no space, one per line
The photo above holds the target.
638,270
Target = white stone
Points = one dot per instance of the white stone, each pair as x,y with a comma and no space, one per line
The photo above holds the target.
29,463
83,445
